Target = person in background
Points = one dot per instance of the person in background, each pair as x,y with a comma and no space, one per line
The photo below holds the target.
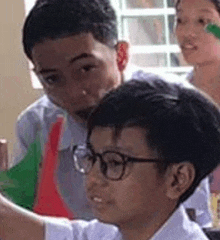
140,163
202,50
77,57
199,48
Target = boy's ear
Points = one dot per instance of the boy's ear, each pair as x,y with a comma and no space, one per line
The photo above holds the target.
122,55
181,177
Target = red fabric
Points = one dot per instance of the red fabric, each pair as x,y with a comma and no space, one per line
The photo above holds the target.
49,202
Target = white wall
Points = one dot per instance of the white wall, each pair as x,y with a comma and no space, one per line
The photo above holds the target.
15,84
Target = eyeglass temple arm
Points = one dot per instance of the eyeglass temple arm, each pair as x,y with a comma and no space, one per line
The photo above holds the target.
130,159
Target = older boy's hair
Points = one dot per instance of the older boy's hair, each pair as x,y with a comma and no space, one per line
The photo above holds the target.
53,19
181,123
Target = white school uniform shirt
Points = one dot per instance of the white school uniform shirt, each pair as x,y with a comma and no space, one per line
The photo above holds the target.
177,227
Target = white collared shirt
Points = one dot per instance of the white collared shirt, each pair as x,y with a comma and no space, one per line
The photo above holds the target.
177,227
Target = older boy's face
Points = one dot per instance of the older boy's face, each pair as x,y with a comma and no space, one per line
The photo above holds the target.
76,71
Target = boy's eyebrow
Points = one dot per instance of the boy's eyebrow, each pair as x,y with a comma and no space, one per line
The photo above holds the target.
71,61
83,55
205,10
42,71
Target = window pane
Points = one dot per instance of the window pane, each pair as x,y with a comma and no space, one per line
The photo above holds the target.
149,60
171,29
178,60
171,3
144,3
145,30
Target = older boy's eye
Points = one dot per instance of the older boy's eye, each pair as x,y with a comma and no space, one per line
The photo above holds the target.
88,68
51,79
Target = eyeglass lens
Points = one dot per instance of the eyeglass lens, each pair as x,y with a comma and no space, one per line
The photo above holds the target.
112,164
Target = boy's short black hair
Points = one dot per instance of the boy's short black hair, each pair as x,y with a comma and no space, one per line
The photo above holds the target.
182,123
52,19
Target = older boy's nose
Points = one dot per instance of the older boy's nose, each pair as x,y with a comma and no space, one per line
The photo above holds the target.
77,89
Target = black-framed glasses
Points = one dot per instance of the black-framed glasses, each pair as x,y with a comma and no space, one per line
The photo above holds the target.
113,165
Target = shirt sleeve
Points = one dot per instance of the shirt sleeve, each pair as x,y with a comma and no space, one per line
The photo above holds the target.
64,229
59,229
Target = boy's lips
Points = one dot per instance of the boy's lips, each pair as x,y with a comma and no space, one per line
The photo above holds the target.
98,199
98,203
189,43
188,49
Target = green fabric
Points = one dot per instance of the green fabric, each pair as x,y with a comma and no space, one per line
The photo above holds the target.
19,183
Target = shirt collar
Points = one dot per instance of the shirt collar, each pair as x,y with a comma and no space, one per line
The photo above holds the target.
45,101
54,110
179,226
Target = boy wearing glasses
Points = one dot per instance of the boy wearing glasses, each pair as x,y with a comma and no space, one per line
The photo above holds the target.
140,163
74,47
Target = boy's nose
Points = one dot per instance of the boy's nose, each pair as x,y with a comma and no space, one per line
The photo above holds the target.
192,30
95,176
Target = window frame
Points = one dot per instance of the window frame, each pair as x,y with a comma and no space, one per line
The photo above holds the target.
167,48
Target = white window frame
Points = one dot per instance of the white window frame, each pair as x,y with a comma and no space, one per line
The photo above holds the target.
123,13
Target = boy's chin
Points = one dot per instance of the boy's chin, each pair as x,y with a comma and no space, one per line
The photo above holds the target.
84,113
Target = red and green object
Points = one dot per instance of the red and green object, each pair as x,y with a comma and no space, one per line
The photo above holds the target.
49,202
19,183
